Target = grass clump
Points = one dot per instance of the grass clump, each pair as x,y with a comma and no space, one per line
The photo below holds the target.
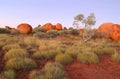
31,41
50,71
37,74
10,46
45,54
20,63
104,51
14,53
72,51
9,74
88,58
116,57
63,58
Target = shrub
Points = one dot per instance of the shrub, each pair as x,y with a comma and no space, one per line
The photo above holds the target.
87,57
50,71
9,74
2,44
63,32
38,30
14,53
31,41
116,57
63,58
20,63
41,35
54,71
45,54
72,51
37,74
74,32
52,33
10,46
3,30
103,51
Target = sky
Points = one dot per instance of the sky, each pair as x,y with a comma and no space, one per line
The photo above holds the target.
35,12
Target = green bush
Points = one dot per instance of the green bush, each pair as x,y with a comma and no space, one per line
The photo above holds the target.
103,51
10,46
50,71
54,71
14,53
74,32
38,30
72,51
63,58
45,54
37,74
52,33
9,74
88,57
3,30
41,35
31,41
63,32
20,63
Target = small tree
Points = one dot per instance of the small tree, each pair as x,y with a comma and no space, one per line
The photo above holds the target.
87,23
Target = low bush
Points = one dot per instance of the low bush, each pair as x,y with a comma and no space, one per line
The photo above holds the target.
50,71
38,30
63,58
9,74
3,30
72,51
10,46
41,35
37,74
45,54
104,51
74,32
15,53
88,57
20,63
52,33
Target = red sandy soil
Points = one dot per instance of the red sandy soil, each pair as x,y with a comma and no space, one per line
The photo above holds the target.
105,69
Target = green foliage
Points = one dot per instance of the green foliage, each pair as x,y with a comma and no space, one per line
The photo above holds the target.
50,71
3,30
116,57
63,58
103,51
9,74
74,32
41,35
54,71
45,54
79,17
63,32
37,74
88,57
38,30
48,44
72,51
20,63
31,41
15,53
52,33
10,46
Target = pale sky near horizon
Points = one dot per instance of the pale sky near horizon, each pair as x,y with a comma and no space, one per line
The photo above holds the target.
35,12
